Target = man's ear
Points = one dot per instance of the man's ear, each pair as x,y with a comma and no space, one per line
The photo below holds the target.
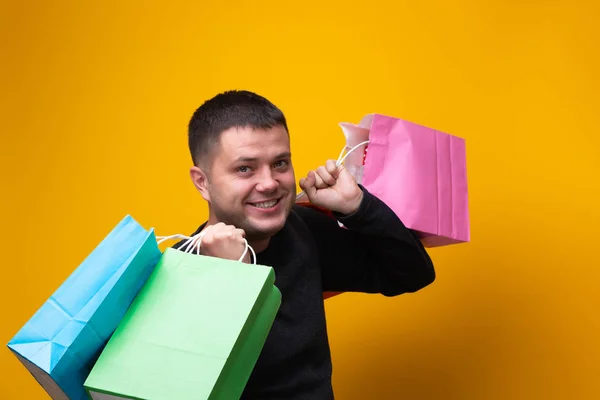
200,180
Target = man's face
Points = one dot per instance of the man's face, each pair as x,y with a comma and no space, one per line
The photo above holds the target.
251,182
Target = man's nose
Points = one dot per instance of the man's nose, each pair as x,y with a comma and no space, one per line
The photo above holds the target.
266,182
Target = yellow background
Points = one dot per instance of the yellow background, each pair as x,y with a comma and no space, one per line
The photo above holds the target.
96,97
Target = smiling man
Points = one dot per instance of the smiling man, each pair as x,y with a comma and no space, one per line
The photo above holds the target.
240,147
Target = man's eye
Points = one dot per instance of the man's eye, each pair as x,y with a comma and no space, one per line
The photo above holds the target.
243,169
281,163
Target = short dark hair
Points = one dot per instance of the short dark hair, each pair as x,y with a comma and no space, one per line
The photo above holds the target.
234,108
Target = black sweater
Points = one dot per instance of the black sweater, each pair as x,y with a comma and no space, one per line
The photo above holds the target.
313,254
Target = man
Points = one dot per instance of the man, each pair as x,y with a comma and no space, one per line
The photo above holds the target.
240,147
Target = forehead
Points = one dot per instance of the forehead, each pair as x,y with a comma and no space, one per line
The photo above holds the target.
247,142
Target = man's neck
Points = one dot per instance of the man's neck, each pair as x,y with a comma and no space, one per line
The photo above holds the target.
259,245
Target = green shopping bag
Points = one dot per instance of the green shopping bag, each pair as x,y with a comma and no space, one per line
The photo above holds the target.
194,331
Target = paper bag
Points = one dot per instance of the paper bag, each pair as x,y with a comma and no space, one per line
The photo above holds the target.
195,331
420,173
62,340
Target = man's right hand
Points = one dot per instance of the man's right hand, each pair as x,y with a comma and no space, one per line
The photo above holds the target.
224,241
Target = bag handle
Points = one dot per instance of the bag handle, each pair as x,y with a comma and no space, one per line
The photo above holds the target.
340,161
193,243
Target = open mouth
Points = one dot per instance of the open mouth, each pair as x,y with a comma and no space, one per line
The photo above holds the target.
265,205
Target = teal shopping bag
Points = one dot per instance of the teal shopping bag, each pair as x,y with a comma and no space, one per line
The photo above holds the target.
63,339
195,331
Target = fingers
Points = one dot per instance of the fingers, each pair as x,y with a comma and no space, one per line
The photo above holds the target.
241,233
223,235
332,168
220,231
308,184
209,231
230,233
222,241
324,177
327,174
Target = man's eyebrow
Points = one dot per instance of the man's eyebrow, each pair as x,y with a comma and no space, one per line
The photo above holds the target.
287,154
246,159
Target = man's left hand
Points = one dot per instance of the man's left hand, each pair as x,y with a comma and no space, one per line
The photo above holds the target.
332,187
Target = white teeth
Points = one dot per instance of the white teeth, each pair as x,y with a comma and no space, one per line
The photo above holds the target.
266,204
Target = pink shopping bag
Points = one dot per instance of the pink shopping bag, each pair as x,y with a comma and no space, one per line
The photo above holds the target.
419,172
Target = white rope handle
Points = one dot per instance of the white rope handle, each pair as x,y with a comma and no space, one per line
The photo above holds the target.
193,243
340,161
161,239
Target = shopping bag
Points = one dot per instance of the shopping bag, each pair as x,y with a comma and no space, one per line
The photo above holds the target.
419,172
62,340
195,331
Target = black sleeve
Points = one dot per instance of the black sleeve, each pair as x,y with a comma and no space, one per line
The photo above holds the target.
375,254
